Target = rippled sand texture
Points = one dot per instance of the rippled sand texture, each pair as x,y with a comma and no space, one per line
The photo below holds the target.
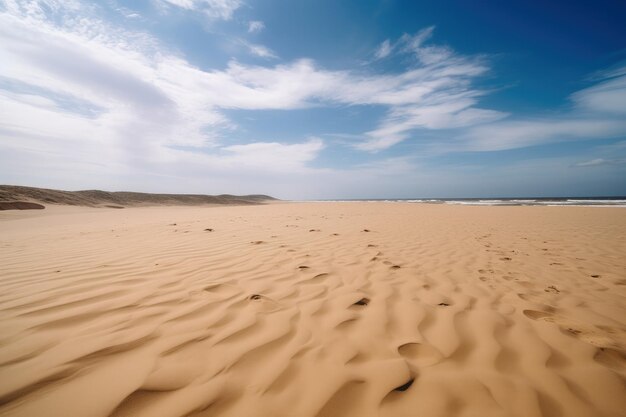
345,309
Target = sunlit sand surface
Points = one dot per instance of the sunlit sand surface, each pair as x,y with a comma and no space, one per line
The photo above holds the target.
313,309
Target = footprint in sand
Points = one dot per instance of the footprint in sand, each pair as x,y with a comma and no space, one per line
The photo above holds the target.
263,303
538,315
552,289
362,302
594,335
394,395
613,358
405,386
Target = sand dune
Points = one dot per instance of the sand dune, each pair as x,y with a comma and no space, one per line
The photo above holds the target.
23,198
353,309
20,205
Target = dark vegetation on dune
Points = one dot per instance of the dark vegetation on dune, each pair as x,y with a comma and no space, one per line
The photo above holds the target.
22,198
20,205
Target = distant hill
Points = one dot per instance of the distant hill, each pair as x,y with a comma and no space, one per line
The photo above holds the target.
11,195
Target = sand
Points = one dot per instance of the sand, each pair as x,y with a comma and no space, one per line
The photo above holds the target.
296,310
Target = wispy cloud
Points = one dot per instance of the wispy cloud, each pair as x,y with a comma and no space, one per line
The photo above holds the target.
451,106
606,97
597,112
438,92
426,54
214,9
601,161
151,100
414,43
524,133
101,93
270,156
383,50
255,26
108,99
258,50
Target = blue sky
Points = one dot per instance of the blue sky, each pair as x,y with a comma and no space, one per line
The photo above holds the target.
315,99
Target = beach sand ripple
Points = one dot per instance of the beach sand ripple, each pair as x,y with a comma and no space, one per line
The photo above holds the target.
313,309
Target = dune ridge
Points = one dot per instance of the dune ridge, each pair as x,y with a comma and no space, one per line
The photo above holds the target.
12,194
321,309
20,205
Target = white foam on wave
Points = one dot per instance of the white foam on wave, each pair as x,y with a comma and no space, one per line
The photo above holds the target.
493,202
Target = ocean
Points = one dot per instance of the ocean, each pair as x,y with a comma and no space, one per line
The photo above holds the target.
507,201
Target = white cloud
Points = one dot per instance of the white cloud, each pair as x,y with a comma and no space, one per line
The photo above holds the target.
593,162
148,93
142,103
255,26
270,156
437,94
426,55
112,102
608,96
449,114
598,113
524,133
259,50
413,43
214,9
601,161
383,50
105,100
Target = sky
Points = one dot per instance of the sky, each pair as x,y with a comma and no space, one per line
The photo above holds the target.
315,99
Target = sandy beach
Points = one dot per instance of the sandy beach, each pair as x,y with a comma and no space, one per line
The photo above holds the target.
313,309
